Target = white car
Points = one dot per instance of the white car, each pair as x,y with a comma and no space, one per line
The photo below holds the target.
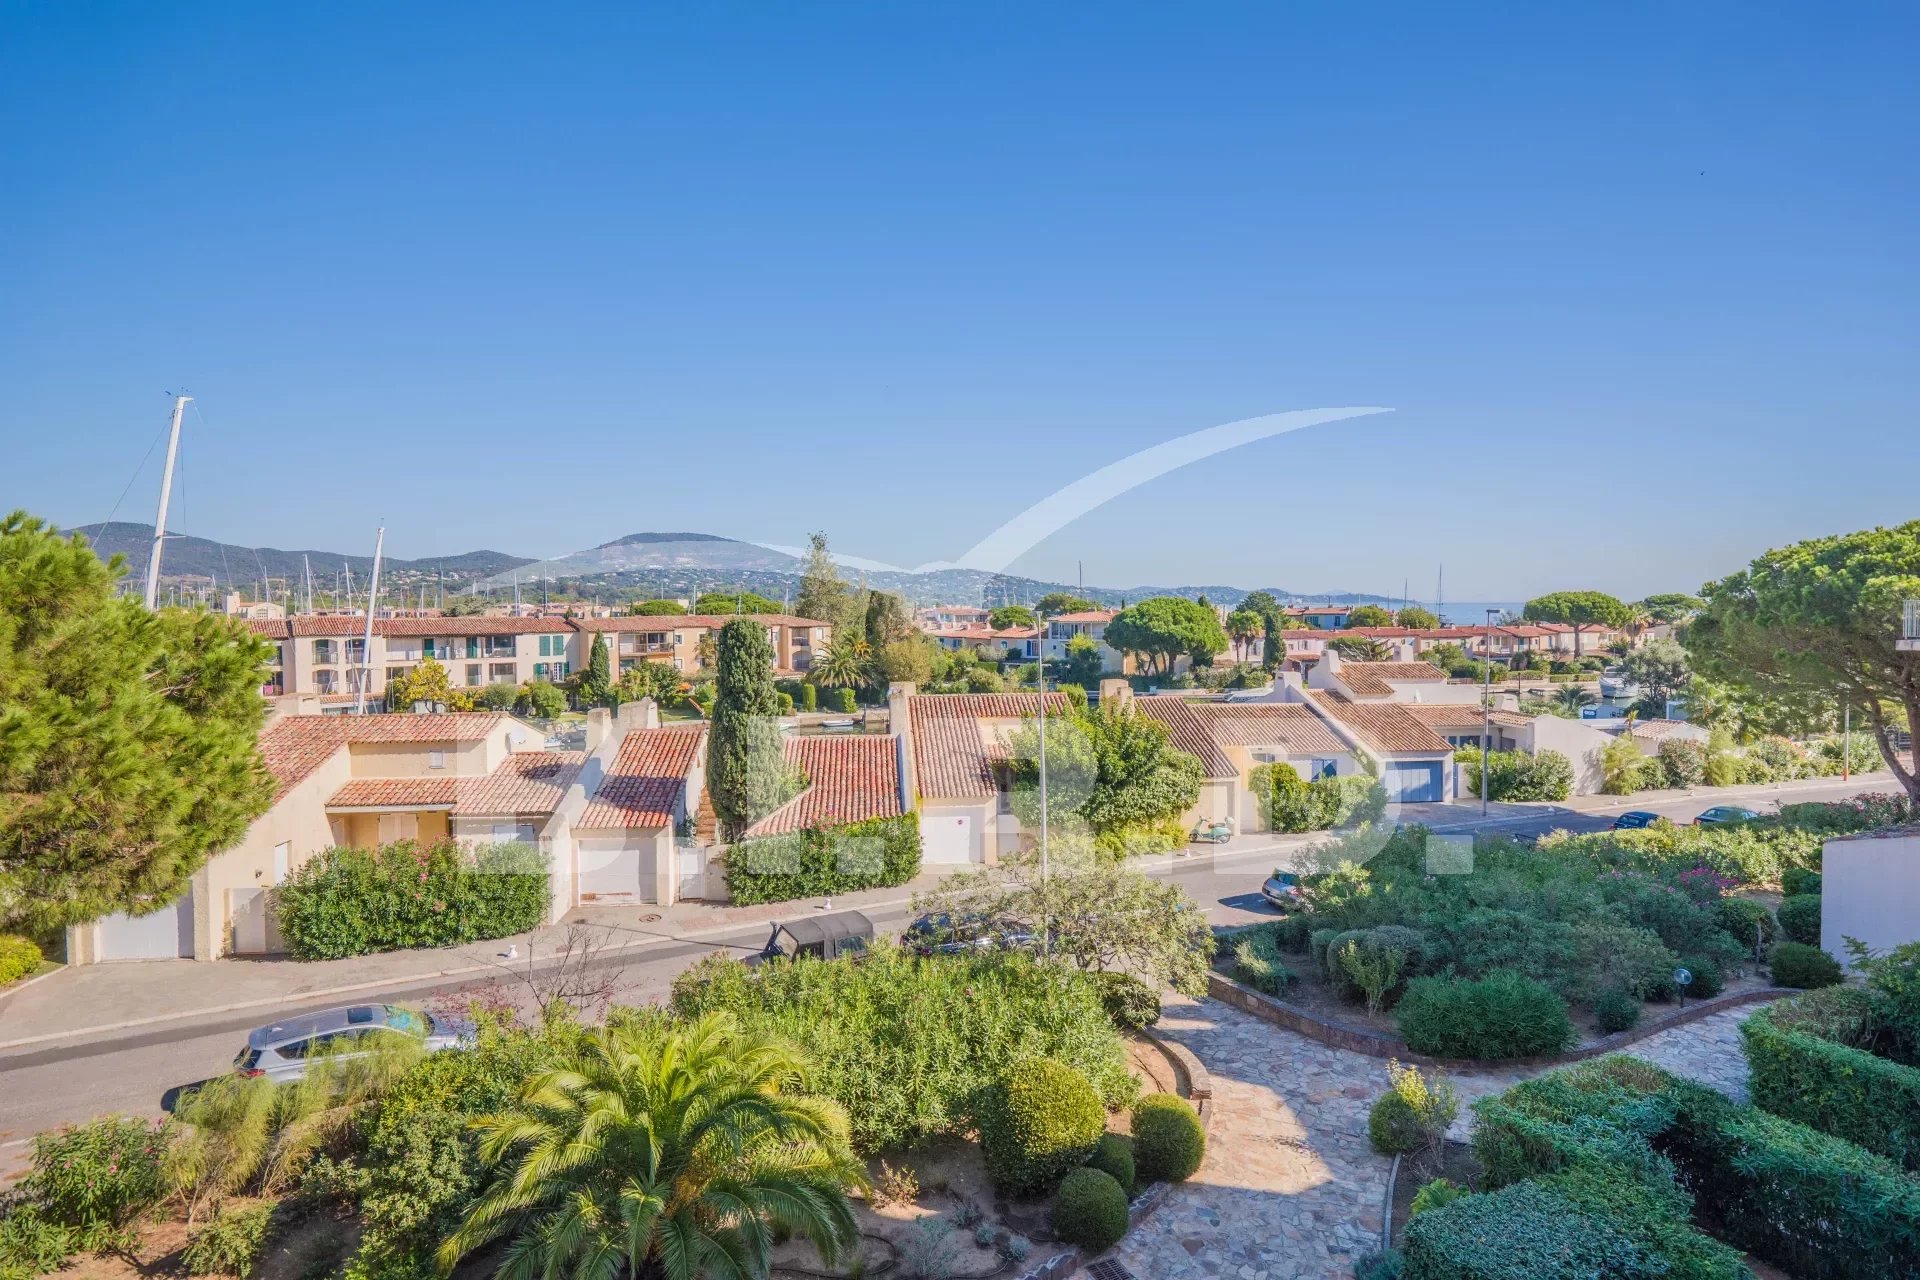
283,1050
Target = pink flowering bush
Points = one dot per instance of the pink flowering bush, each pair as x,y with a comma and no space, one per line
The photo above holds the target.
99,1176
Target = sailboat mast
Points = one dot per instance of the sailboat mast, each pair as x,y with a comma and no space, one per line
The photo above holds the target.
366,644
166,496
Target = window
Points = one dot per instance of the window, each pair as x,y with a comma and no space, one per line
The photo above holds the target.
504,671
1322,769
473,674
397,673
473,646
436,759
323,652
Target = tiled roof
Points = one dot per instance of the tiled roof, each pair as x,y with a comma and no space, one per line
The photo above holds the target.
689,621
1657,729
648,777
271,628
1385,727
294,746
1189,730
469,626
395,793
1370,679
1089,615
950,756
1462,715
329,624
1267,724
525,782
850,778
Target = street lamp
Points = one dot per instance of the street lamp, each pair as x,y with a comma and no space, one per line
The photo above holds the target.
1486,714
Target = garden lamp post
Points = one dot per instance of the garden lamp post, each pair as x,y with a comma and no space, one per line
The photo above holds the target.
1486,715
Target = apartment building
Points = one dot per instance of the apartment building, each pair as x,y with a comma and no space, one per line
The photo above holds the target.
681,640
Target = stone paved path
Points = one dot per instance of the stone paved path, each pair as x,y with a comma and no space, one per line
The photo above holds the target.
1290,1189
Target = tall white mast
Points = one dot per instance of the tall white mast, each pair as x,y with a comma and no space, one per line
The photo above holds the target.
166,494
366,644
308,566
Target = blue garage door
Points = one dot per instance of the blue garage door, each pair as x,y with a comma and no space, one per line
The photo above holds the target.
1413,782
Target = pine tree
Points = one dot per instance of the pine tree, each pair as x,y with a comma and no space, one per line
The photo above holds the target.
128,740
825,595
747,773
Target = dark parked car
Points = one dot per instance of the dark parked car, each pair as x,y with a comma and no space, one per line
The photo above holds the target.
1634,819
1723,813
821,937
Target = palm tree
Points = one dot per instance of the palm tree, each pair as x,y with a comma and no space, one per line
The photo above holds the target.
1572,697
662,1153
1243,625
843,665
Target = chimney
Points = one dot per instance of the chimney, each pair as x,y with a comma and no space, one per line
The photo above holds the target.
643,713
1116,693
599,724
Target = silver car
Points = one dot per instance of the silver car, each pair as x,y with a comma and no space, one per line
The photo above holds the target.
284,1050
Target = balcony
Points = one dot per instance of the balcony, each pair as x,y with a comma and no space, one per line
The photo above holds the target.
1910,628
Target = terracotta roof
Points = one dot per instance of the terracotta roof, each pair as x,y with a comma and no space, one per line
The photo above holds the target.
271,628
1190,731
294,746
525,782
1267,724
688,621
1370,679
950,756
1462,715
1387,727
648,778
850,778
480,626
1656,729
1089,615
395,793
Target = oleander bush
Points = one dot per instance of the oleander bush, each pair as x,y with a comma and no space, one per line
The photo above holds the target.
905,1042
18,958
1799,918
1842,817
1168,1139
1682,762
1090,1211
231,1243
353,902
1503,1015
1131,1003
99,1176
821,862
1113,1156
1037,1122
1795,964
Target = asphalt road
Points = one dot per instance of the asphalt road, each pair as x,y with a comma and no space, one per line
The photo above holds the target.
49,1085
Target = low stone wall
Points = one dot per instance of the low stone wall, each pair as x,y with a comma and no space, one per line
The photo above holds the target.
1195,1085
1374,1044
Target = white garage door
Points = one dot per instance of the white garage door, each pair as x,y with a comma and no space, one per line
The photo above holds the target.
167,934
947,838
615,873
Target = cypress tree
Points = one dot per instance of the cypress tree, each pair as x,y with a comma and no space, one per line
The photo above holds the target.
747,774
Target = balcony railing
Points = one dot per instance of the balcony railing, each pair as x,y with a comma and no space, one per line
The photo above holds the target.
1910,626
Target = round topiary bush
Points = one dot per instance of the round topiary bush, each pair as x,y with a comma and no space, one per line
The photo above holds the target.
1795,881
1800,918
1113,1155
1168,1141
1393,1127
1615,1010
1131,1003
18,958
1091,1210
1036,1124
1503,1015
1795,964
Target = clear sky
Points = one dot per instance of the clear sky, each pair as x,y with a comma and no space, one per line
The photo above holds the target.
1640,282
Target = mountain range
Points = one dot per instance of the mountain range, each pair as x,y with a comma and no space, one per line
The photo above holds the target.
647,564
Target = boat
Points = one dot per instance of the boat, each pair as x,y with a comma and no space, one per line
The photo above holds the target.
839,726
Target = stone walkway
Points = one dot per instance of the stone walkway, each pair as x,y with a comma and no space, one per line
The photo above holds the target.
1290,1189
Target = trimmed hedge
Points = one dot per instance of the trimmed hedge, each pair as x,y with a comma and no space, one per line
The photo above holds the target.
1168,1140
1113,1156
1041,1120
1795,964
1799,918
1091,1210
18,958
1808,1067
353,902
1503,1015
879,853
1741,918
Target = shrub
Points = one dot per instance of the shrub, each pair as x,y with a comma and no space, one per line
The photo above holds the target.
1520,775
1683,763
1091,1210
809,697
1784,759
1795,964
1796,881
1258,963
1388,1264
30,1245
1809,1065
1483,939
843,701
1437,1194
819,862
1708,981
1799,918
1131,1003
1723,770
1620,957
1413,1114
1371,968
1503,1015
1746,921
353,902
1113,1156
1292,932
98,1176
18,958
783,703
1168,1140
1844,817
1614,1010
1043,1119
541,700
1317,943
231,1243
904,1042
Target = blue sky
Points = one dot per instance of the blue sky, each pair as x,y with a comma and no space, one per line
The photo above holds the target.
1639,282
